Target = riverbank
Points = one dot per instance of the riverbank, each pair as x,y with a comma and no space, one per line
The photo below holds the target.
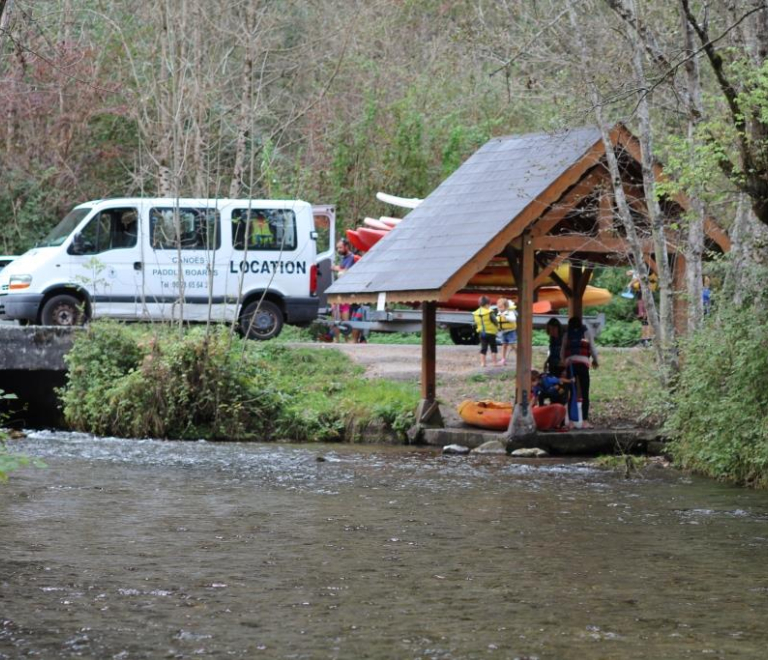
623,388
149,381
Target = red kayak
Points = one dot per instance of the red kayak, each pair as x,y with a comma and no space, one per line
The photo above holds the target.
549,418
369,237
354,238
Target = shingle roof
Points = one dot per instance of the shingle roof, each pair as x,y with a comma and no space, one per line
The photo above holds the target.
464,213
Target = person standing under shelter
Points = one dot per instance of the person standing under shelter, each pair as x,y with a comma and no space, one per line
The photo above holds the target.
577,348
487,328
343,312
555,333
507,322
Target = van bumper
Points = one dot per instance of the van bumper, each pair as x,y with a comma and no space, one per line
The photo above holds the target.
301,310
20,306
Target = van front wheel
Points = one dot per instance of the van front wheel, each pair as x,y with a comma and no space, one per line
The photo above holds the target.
261,320
63,310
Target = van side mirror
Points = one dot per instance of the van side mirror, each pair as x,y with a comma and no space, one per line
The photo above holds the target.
78,245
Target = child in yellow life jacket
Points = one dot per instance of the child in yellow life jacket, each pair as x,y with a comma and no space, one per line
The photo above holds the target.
507,321
487,328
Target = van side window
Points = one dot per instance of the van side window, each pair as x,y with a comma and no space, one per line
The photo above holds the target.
263,229
110,229
188,228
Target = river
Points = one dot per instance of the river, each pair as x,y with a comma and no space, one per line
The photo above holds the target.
146,549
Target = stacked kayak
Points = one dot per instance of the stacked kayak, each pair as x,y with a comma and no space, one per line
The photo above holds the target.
494,281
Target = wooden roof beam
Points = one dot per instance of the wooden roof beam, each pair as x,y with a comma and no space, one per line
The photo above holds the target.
581,243
567,203
549,269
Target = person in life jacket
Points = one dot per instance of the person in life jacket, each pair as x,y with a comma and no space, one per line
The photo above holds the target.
487,328
577,349
546,387
507,322
261,233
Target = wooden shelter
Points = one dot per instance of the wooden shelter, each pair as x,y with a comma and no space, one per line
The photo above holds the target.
539,200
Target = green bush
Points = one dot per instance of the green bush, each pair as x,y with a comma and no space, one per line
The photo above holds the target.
718,423
158,385
620,333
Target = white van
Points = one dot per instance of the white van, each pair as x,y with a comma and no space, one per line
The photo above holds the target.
256,261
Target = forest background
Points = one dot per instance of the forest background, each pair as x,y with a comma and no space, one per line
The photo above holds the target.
334,100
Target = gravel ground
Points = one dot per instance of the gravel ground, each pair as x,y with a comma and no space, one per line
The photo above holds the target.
403,361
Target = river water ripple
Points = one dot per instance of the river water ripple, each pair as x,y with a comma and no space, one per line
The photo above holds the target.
145,549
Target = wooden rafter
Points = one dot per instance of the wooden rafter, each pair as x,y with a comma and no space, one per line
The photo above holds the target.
548,270
567,203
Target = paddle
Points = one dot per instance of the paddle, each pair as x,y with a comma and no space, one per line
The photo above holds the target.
573,401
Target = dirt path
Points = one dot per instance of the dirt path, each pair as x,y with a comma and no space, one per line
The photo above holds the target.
403,361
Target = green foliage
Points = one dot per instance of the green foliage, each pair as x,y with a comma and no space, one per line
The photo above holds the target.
125,384
621,325
130,382
8,460
719,424
325,397
620,333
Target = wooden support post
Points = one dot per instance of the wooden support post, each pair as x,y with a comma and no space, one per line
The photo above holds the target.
522,423
428,351
575,306
428,412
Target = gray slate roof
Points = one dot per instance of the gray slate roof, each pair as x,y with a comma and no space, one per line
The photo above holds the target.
465,212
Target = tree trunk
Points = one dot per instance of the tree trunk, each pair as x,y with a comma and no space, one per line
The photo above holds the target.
246,105
656,218
694,248
636,255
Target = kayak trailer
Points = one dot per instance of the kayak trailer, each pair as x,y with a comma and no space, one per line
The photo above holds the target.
459,324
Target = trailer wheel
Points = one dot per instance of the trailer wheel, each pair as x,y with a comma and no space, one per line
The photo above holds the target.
63,310
261,320
464,335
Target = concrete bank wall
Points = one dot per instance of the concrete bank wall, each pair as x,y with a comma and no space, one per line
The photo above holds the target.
32,367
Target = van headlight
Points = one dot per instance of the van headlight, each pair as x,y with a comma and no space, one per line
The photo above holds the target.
18,282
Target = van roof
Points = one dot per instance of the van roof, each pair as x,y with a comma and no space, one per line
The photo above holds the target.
216,202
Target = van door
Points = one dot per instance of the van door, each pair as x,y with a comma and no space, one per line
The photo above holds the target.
105,259
324,217
183,275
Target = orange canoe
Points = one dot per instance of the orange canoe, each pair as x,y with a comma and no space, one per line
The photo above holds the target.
550,298
493,415
499,274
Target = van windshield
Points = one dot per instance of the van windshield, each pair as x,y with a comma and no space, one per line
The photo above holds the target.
61,231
